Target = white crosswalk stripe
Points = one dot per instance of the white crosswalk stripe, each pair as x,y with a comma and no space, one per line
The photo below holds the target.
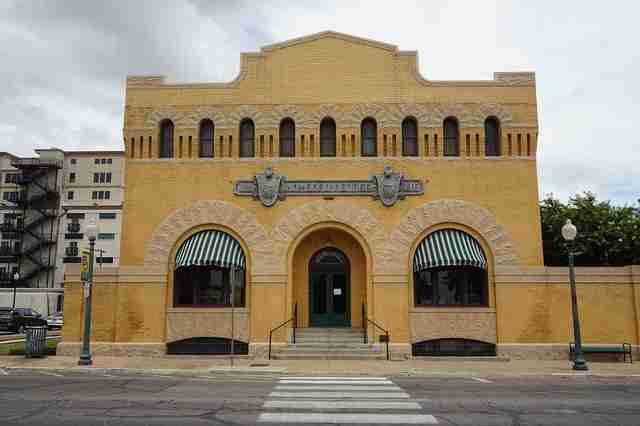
341,400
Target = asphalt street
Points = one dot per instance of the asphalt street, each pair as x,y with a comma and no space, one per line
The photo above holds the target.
77,398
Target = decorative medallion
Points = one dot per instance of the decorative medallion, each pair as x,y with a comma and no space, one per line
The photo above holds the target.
388,187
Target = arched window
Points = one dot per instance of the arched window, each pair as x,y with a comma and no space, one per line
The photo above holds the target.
208,265
287,138
247,138
492,137
328,138
369,137
206,138
409,137
451,137
166,139
450,269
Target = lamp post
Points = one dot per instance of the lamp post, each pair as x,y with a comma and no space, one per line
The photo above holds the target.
85,356
16,278
569,233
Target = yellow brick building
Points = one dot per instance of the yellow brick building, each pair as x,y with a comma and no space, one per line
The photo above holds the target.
378,197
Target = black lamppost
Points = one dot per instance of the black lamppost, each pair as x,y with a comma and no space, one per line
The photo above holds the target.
85,356
569,233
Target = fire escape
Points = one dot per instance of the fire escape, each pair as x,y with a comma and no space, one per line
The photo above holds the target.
39,199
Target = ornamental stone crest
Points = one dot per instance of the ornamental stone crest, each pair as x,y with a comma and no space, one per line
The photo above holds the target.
388,187
268,187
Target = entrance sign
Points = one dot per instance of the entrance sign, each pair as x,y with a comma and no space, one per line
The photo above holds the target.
388,187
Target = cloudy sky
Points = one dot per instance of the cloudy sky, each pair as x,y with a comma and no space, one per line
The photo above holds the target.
63,66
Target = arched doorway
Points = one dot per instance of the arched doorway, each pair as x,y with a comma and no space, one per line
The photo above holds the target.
329,289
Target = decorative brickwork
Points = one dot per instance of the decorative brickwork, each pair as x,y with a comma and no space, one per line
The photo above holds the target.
393,257
163,239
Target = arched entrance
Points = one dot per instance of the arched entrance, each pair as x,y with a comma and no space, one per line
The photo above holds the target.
329,278
329,288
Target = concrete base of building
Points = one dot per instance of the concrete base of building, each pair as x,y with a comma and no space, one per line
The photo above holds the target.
114,349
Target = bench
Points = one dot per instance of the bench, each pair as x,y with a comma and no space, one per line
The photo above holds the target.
624,349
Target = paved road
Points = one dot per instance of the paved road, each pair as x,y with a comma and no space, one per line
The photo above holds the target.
49,398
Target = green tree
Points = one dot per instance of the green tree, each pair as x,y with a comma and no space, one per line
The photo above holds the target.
608,235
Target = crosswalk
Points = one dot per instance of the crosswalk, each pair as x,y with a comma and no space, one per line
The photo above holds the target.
341,400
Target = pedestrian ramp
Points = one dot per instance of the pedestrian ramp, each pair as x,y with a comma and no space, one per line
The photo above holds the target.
341,400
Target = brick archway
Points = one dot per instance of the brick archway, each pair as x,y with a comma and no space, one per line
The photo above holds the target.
164,237
394,255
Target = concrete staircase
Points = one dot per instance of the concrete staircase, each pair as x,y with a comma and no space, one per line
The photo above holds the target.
329,343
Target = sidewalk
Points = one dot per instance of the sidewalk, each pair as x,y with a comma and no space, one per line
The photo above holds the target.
198,365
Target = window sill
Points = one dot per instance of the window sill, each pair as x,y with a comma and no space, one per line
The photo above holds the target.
199,309
452,309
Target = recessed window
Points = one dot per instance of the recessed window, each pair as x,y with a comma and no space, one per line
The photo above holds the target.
450,269
451,137
453,347
206,138
328,137
369,137
166,139
492,137
287,138
247,138
409,137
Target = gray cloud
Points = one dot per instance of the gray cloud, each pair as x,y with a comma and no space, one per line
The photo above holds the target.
64,65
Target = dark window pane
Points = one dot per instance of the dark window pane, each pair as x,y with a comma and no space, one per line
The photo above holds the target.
451,137
207,286
369,138
451,286
247,138
287,138
328,138
409,137
166,139
492,137
206,138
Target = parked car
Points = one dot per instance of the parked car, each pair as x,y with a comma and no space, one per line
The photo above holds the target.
17,319
55,321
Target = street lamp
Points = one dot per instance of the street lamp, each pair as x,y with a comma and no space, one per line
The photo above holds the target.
85,356
569,233
16,278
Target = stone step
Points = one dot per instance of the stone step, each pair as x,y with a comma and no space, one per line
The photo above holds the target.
297,349
330,355
329,332
340,345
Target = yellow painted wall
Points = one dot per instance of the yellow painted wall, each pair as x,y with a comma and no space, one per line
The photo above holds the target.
348,79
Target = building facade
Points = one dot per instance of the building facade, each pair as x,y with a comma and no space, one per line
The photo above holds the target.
45,201
332,186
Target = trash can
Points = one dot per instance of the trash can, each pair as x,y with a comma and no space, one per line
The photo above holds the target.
35,341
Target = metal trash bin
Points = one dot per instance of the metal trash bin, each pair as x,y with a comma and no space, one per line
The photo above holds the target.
35,341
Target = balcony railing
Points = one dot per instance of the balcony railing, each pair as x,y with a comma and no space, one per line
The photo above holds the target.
36,162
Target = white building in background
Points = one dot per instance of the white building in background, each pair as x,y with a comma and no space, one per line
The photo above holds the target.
47,201
93,190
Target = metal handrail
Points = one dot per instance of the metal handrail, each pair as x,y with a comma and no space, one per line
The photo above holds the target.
293,319
365,323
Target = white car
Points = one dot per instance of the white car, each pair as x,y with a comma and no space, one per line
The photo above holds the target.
55,321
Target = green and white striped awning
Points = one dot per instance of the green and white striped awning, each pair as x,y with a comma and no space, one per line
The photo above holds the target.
211,248
449,247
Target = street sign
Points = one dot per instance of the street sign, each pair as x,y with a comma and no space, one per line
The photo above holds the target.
84,266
